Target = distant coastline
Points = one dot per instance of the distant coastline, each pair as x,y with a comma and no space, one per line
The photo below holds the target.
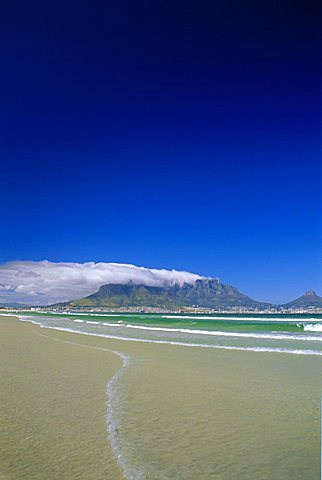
152,310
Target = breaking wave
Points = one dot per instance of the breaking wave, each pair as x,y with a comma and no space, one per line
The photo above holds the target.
314,327
294,351
217,333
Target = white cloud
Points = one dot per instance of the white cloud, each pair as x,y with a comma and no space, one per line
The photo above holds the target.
41,283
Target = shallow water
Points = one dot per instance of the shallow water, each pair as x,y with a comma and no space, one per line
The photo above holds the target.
53,405
294,334
201,411
193,413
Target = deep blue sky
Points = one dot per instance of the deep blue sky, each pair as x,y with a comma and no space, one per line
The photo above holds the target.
181,135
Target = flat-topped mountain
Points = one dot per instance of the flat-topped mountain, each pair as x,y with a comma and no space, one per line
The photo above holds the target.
202,293
308,299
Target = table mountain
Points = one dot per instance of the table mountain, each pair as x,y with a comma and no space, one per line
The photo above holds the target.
203,293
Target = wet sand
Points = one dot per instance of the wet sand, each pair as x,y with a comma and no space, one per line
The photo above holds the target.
182,413
221,415
53,406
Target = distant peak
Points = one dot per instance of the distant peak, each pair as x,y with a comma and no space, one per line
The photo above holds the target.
309,293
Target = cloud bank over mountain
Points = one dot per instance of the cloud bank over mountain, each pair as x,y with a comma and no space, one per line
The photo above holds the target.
42,283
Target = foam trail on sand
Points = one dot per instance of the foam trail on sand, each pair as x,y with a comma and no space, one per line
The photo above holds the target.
112,426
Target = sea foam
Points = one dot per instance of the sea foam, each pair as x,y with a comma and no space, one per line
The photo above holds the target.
221,317
176,343
316,327
217,333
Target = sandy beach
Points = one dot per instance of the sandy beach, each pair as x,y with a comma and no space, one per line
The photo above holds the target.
181,413
53,406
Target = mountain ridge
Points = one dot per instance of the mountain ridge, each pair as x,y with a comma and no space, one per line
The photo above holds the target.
208,293
308,299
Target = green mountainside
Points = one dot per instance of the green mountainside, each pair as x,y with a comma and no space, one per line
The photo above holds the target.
309,299
203,293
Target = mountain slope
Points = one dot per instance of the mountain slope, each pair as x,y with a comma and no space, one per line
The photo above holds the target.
308,299
202,293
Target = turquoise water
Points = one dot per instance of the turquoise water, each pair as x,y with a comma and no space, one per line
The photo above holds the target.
296,334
